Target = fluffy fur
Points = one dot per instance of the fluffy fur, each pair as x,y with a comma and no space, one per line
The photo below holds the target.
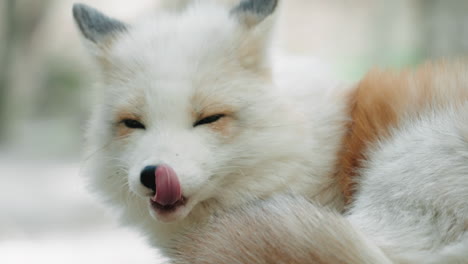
409,179
283,230
394,147
412,190
170,70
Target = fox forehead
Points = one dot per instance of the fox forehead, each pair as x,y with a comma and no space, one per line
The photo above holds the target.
169,46
184,63
187,100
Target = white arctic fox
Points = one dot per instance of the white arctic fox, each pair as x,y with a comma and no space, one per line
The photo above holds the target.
194,120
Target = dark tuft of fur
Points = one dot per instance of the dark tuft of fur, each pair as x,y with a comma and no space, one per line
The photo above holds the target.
259,8
93,24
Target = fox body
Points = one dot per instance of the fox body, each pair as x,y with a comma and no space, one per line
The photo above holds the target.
195,118
410,188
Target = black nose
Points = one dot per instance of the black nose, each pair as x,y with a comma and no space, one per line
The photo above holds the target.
148,177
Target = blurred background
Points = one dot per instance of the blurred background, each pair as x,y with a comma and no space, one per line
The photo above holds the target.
46,214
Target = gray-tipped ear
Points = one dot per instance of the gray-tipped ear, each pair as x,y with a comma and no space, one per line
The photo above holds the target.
252,12
94,25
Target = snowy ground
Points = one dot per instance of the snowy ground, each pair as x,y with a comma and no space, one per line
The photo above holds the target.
47,216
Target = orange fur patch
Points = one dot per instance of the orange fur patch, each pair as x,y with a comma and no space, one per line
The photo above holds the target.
383,99
205,105
223,126
122,130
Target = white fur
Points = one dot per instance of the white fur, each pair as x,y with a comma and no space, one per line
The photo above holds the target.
283,230
413,195
282,142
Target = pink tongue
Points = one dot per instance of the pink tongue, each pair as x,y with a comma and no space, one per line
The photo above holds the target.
167,186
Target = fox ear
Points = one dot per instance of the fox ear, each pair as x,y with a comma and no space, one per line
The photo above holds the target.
95,26
255,45
252,12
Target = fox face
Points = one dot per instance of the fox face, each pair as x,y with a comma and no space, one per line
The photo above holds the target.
189,118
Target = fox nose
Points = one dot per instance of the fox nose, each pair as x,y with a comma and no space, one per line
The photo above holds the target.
163,180
147,177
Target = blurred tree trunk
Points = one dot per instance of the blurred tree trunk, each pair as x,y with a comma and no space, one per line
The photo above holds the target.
6,52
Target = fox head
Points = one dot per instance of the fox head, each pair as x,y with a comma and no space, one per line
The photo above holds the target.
189,119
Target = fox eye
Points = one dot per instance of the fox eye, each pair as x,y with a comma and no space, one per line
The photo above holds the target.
134,124
208,120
